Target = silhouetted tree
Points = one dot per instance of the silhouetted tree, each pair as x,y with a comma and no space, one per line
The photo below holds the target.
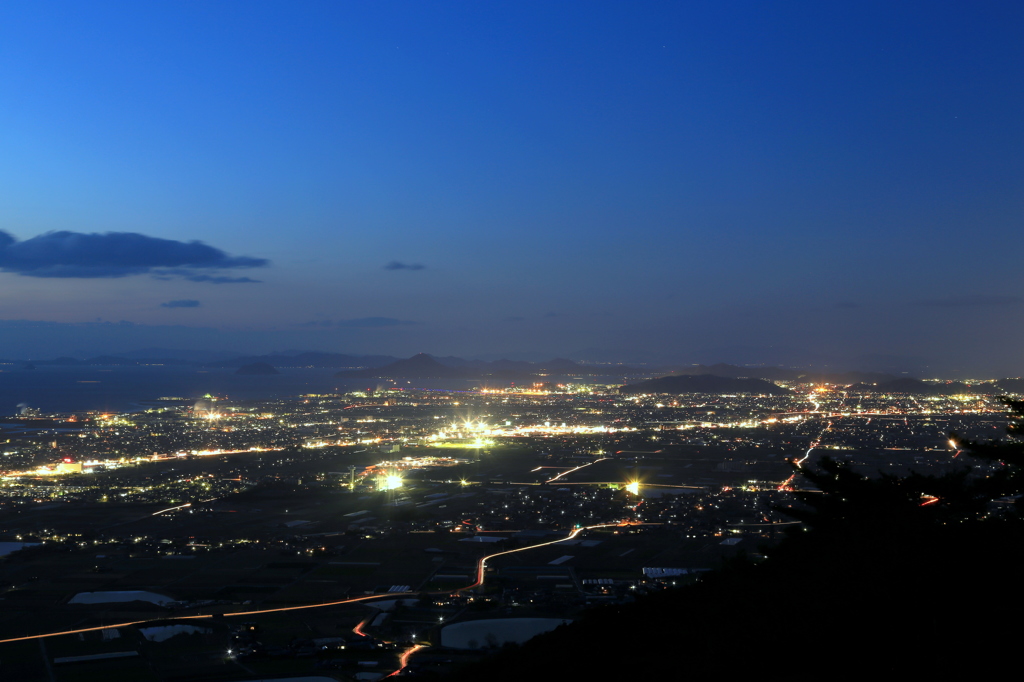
1007,481
847,503
851,503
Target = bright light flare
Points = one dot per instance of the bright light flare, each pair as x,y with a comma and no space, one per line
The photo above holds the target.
633,487
392,482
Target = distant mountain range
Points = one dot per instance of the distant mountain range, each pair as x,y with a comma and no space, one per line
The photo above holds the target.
503,369
423,366
915,387
785,374
704,383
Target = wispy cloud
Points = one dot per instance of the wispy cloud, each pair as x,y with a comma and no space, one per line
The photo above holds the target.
181,303
117,254
374,322
399,265
362,322
972,301
208,279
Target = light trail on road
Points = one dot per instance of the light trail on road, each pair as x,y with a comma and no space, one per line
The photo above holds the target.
799,463
481,567
211,453
164,511
569,471
404,658
201,616
358,629
482,564
645,485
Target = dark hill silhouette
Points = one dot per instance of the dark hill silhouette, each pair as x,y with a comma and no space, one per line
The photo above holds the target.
561,366
915,387
512,365
705,383
734,372
424,366
783,374
1011,385
420,366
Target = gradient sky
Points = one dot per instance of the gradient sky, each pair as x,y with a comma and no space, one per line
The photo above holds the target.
740,181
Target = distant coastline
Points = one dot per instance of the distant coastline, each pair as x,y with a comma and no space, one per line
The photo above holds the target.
63,389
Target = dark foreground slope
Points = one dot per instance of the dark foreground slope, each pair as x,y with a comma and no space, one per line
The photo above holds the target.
938,605
916,576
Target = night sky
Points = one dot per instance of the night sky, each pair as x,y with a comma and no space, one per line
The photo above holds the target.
763,182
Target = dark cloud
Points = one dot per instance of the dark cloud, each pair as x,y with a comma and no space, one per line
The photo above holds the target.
971,301
399,265
181,303
116,254
374,322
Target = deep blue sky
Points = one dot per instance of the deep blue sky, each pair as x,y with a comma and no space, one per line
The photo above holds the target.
701,180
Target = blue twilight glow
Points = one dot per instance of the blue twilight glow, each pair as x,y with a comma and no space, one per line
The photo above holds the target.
738,181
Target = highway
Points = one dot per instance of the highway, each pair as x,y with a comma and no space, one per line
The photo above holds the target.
799,463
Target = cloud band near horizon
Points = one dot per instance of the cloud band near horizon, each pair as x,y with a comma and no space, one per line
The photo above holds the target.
181,303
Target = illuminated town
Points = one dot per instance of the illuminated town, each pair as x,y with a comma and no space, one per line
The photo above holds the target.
583,341
362,532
